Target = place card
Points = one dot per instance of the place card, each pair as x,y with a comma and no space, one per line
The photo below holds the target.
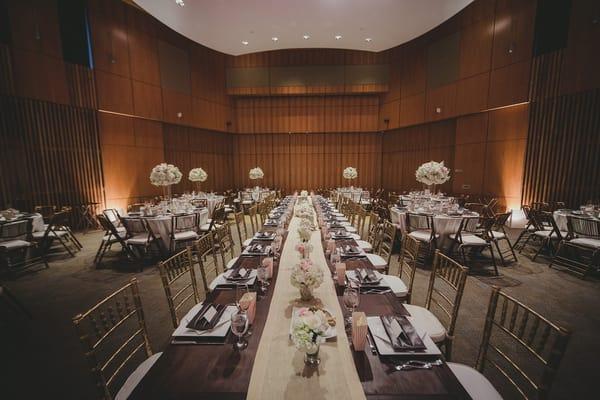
268,263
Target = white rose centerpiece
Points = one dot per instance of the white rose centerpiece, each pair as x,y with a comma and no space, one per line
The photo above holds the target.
306,276
350,173
432,173
165,175
309,331
197,175
256,173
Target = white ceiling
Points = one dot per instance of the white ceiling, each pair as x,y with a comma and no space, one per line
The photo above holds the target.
223,24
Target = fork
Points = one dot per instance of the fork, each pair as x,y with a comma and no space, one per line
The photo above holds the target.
416,364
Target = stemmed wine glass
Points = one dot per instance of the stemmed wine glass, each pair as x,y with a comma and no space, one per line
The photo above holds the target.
351,300
239,326
262,276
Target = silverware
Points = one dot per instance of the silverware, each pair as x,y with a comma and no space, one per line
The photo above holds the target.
371,345
417,364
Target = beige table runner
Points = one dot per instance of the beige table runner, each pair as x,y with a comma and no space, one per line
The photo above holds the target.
279,371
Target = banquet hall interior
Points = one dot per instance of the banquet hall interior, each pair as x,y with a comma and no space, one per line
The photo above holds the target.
324,199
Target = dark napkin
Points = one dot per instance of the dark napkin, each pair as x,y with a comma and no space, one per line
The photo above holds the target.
402,334
342,234
238,274
256,248
271,222
366,276
351,250
264,236
200,323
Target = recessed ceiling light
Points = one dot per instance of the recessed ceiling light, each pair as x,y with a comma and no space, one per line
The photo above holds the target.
338,37
368,40
180,3
306,37
274,38
245,42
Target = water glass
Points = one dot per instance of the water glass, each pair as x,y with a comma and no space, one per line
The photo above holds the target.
239,326
351,300
262,275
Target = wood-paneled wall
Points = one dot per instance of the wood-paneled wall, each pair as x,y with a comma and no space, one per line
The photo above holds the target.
49,154
307,114
294,161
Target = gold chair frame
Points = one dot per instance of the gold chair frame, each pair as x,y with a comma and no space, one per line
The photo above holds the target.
408,263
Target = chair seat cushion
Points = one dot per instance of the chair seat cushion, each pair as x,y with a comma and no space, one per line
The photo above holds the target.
14,244
186,235
476,385
247,242
40,234
396,285
229,209
425,321
350,229
421,235
111,237
364,245
134,379
497,235
377,261
206,227
354,236
139,240
587,242
468,239
547,233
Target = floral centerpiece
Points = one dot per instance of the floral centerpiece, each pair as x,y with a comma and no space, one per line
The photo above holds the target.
432,173
256,173
305,211
197,175
350,173
165,175
306,276
304,249
305,230
308,332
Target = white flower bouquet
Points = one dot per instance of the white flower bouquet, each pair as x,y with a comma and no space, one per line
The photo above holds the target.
304,249
197,175
165,175
305,232
432,173
305,210
309,329
350,173
306,274
256,173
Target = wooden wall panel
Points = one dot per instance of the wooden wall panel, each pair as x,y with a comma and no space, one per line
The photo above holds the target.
49,154
114,93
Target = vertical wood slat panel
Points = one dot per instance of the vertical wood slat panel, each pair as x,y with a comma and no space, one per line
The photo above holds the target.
561,160
50,154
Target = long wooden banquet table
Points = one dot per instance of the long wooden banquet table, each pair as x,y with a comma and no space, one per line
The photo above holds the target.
272,368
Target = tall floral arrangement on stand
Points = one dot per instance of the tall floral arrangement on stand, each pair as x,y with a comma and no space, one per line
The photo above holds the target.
432,173
255,174
350,173
197,175
165,175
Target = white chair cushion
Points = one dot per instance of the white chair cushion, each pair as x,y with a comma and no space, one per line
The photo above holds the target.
497,235
40,234
547,233
377,261
365,246
138,239
134,379
228,209
247,242
187,235
396,284
587,242
470,239
108,237
350,229
14,244
231,262
422,236
206,227
476,385
425,321
247,202
354,236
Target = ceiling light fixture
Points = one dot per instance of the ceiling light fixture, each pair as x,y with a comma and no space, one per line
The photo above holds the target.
180,3
338,37
306,37
274,38
245,42
368,40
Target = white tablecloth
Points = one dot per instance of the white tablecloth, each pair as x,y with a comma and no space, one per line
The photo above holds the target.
443,225
162,225
37,221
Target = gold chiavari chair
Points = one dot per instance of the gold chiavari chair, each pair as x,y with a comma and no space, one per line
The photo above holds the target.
114,336
408,263
224,242
373,220
240,222
361,216
444,295
579,252
252,213
203,247
172,273
381,260
524,346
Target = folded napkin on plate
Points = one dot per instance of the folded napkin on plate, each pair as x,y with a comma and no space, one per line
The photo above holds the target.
255,248
264,235
238,274
207,317
351,249
367,276
401,333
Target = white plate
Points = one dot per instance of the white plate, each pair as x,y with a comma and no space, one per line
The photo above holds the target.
384,347
331,333
351,274
220,330
221,280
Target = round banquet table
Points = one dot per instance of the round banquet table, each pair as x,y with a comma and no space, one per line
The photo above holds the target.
161,225
444,225
560,217
37,221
